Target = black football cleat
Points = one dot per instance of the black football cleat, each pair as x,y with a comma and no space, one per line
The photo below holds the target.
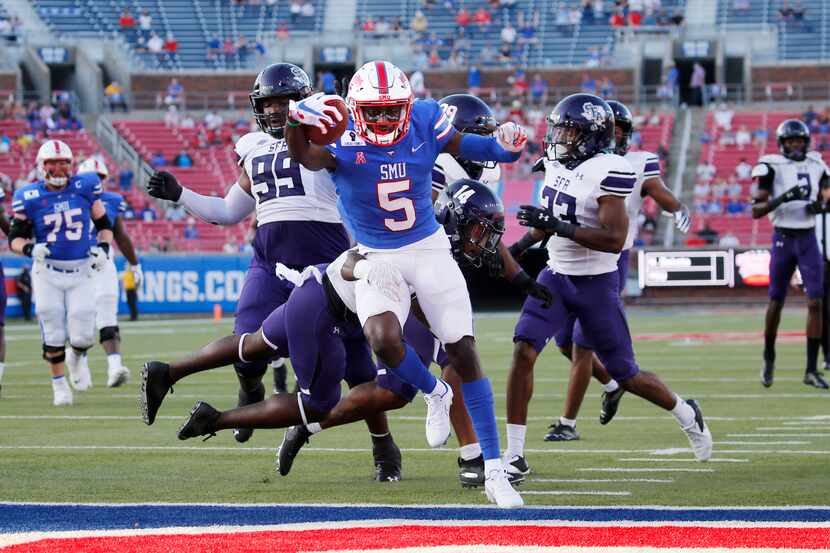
387,457
767,373
610,404
242,435
292,442
561,433
280,379
155,383
202,421
813,378
471,473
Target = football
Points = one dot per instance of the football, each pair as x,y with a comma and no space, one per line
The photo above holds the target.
316,136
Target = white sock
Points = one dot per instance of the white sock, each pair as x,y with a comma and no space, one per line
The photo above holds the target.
72,356
567,422
470,451
114,361
314,427
612,386
2,370
59,382
492,464
516,439
276,363
441,387
683,412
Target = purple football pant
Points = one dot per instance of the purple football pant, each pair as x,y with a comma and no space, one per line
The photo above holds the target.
595,301
791,249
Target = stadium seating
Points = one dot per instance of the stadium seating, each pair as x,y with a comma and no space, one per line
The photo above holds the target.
192,23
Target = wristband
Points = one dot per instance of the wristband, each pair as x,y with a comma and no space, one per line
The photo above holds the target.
291,123
362,268
522,280
27,249
565,230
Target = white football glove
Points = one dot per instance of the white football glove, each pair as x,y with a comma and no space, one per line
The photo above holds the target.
314,111
40,252
138,274
511,137
682,220
384,277
99,255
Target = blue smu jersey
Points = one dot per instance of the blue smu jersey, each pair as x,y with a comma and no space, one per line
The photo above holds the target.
385,192
61,218
115,206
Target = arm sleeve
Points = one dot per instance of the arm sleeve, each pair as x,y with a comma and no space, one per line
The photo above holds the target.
231,209
18,206
765,176
485,148
652,167
619,179
439,178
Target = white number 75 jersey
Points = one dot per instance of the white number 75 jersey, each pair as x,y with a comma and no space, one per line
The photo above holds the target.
571,195
283,189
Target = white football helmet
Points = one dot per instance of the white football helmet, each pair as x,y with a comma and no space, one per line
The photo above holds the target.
52,150
380,101
94,165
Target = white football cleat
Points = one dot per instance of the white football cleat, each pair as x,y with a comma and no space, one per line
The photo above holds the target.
438,416
62,392
698,433
79,374
117,377
500,492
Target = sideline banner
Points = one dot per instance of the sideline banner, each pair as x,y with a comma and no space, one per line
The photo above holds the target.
172,283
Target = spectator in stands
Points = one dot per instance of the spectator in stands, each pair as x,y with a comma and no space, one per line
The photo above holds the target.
539,91
735,207
733,187
607,89
589,84
741,7
743,170
183,159
809,115
729,240
483,19
508,35
462,19
588,12
155,44
474,80
171,117
294,10
126,21
145,24
213,47
714,206
327,82
416,81
5,144
175,94
697,84
702,190
158,160
419,23
563,19
594,59
283,34
115,97
213,120
575,17
723,117
307,9
635,12
190,230
187,122
759,137
800,19
727,138
171,46
148,214
125,178
785,12
742,137
719,189
617,19
706,171
528,27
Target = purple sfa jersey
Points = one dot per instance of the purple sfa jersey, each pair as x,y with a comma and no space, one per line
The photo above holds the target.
791,248
595,301
565,337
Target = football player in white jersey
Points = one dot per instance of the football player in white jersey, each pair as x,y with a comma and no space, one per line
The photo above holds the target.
788,188
585,214
571,340
106,280
298,223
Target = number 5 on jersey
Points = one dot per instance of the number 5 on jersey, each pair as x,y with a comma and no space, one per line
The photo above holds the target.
388,203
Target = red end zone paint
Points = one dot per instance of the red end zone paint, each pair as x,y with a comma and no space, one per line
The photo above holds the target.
425,536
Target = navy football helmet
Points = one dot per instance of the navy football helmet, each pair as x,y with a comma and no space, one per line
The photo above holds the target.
579,127
473,217
470,114
793,128
279,80
625,122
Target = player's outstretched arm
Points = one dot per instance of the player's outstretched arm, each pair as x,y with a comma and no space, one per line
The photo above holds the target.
656,188
310,156
506,146
235,206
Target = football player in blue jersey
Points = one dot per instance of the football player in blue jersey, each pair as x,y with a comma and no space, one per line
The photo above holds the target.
106,280
382,168
52,222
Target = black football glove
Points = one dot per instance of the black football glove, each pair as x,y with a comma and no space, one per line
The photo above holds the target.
797,192
523,282
164,186
538,166
816,207
542,219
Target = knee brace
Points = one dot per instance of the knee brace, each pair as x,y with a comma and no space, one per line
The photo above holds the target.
60,352
79,350
109,333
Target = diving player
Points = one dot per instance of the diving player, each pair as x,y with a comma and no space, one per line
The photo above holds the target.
106,280
383,179
52,221
788,187
646,166
298,223
585,214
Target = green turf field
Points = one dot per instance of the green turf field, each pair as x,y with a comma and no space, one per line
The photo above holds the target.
767,449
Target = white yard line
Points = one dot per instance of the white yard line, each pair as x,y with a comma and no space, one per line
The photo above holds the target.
763,443
618,469
602,480
573,492
780,435
659,460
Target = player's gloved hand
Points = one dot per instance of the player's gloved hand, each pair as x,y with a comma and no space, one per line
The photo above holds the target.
538,166
100,255
38,252
138,274
542,219
682,220
315,112
164,186
382,276
511,137
797,192
523,282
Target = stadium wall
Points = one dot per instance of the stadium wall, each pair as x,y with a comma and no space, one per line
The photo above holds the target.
202,90
804,81
9,81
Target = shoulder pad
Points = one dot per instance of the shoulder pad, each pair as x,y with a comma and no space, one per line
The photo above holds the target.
760,170
773,159
815,156
250,141
606,163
